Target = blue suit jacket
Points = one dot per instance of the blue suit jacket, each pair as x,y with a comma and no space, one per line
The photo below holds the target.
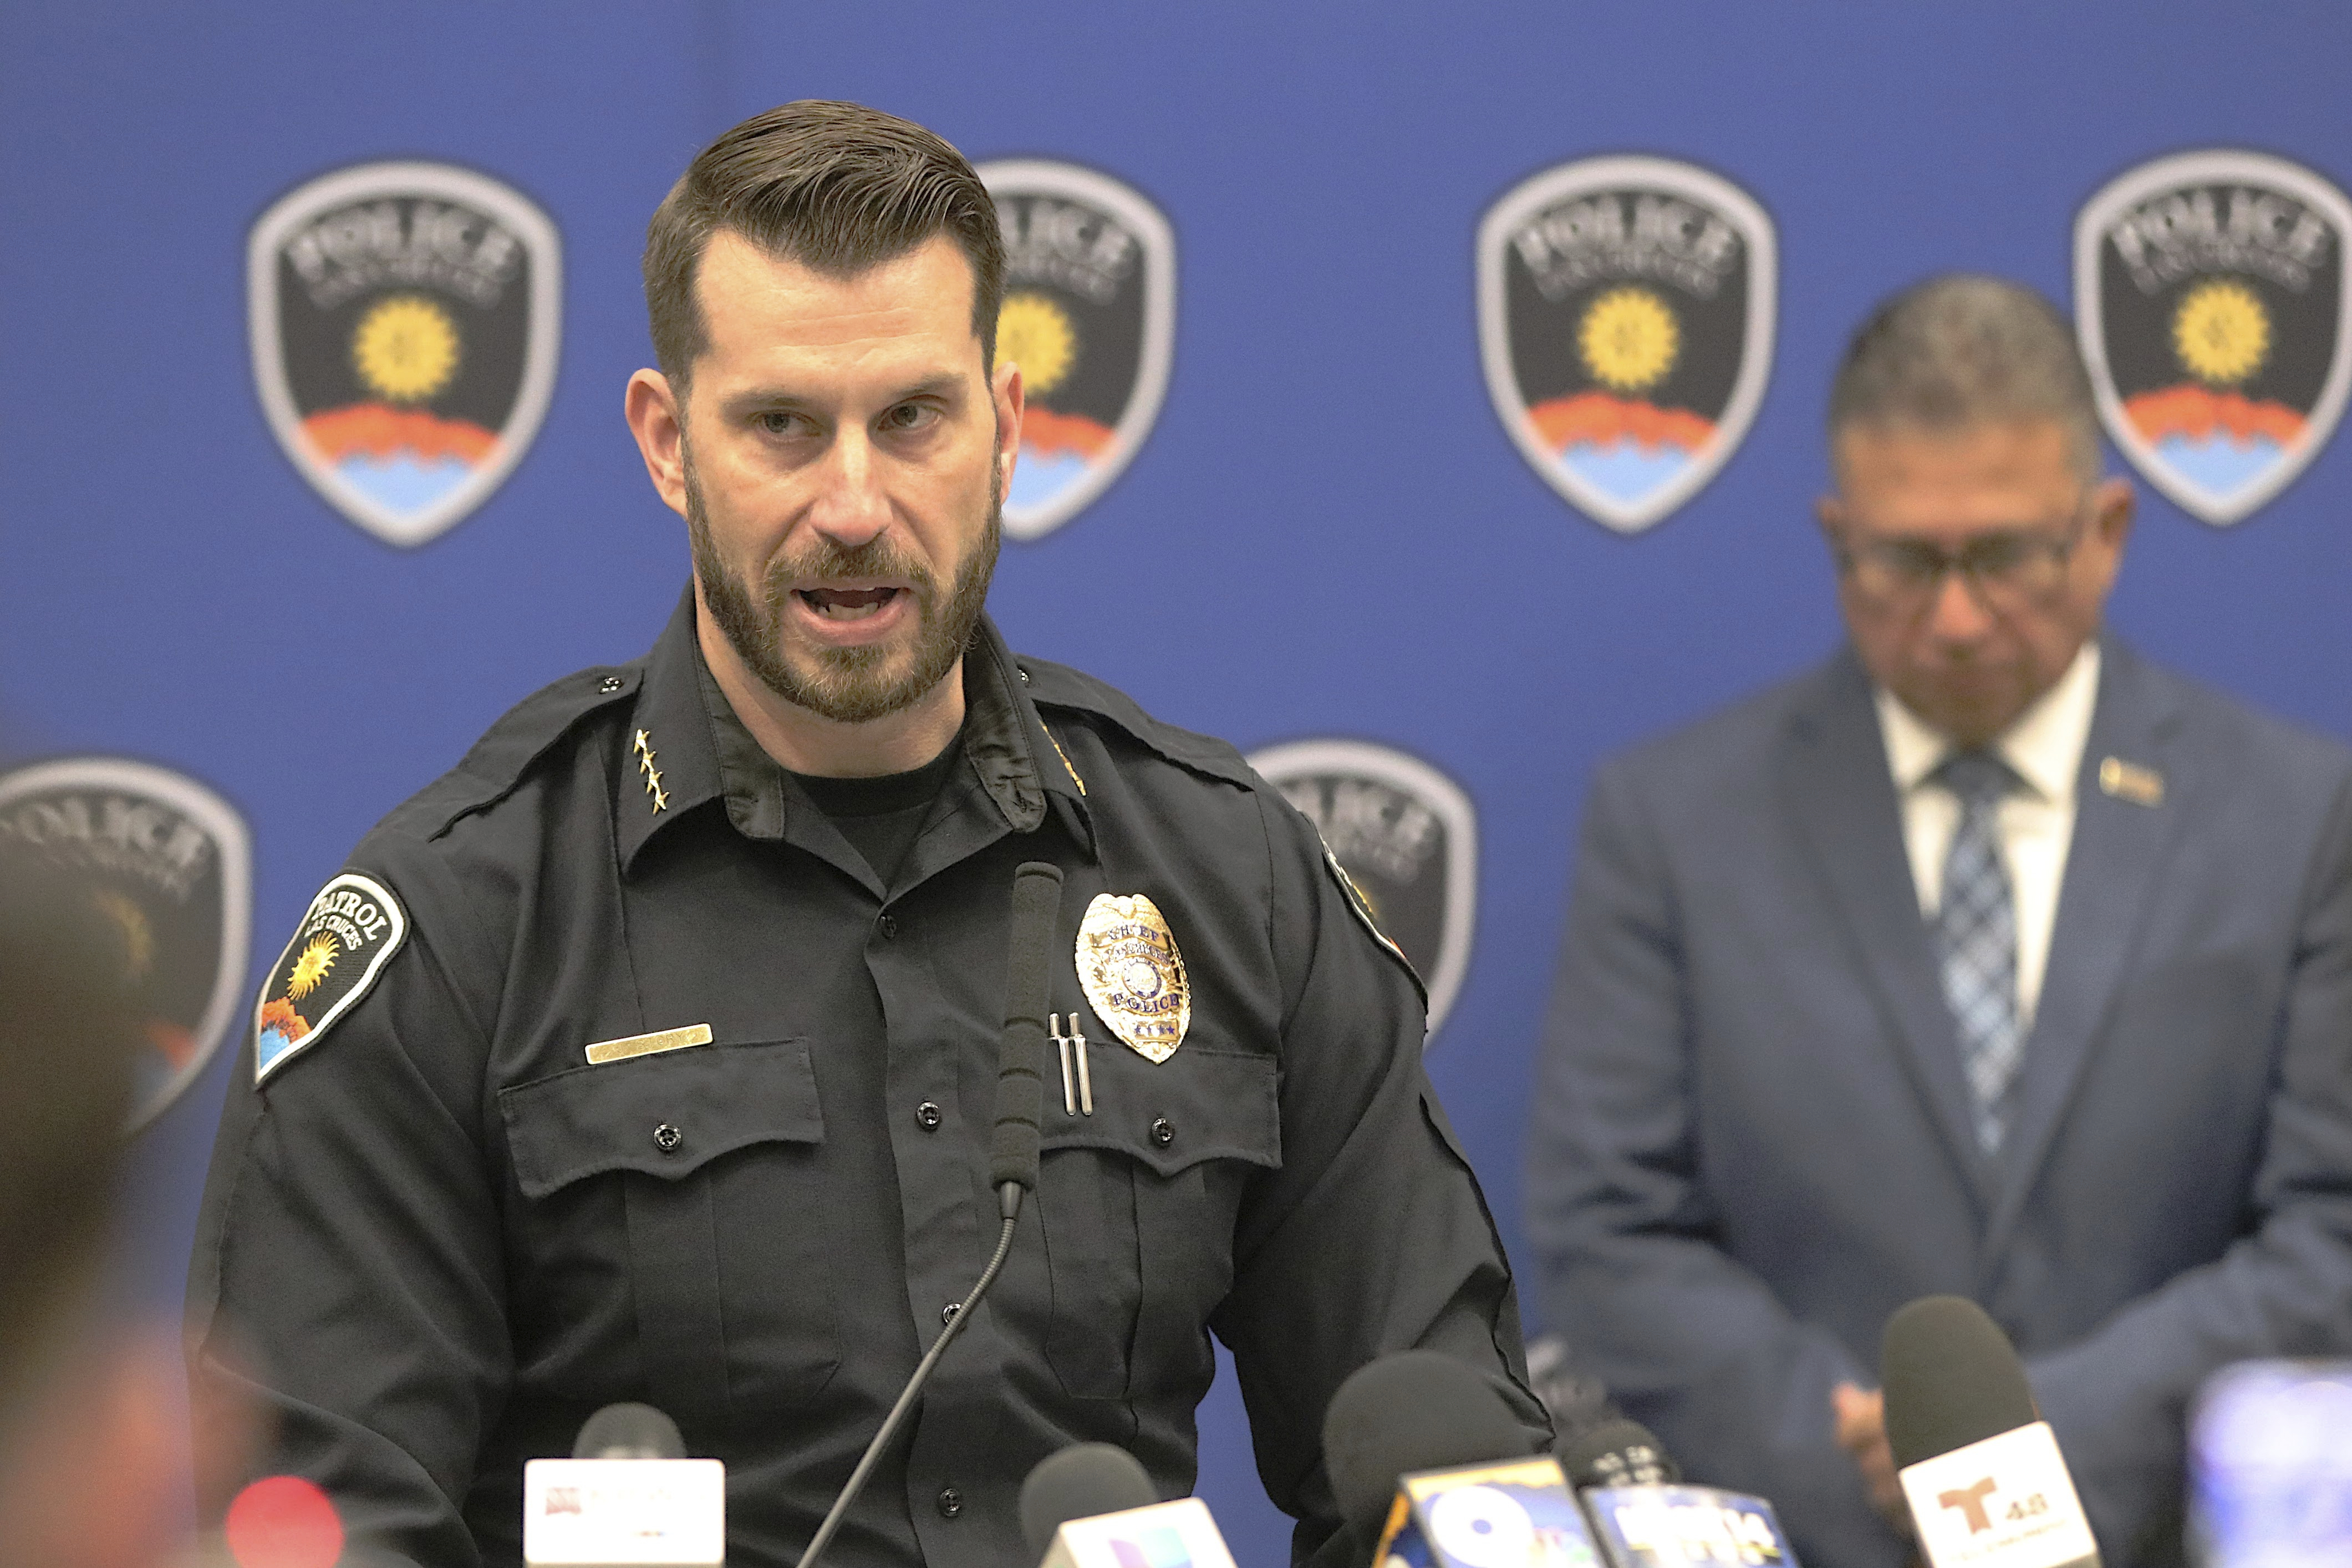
1751,1136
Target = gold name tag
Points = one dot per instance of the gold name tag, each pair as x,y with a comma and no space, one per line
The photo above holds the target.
605,1051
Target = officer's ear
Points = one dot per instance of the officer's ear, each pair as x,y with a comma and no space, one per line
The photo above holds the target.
657,419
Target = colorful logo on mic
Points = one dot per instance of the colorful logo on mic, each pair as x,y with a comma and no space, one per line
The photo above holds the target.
167,866
1405,838
2209,296
404,320
1090,318
1625,313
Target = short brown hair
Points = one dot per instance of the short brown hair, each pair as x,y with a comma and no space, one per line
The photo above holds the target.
834,186
1963,350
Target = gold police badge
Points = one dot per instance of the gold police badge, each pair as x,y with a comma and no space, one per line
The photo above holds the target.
1132,974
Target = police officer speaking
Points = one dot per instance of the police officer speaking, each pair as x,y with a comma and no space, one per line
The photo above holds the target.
650,1054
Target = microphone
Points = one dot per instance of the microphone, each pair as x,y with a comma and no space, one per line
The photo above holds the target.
1093,1506
1616,1453
1012,1148
628,1494
1081,1482
629,1431
1429,1465
1644,1517
1981,1470
1021,1057
1416,1410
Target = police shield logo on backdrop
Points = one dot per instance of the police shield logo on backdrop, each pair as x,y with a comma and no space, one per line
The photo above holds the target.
168,867
404,320
1406,839
1625,310
1090,318
2209,295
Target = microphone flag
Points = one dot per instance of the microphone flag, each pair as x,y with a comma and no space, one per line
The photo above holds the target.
1178,1534
1517,1513
2004,1502
1668,1526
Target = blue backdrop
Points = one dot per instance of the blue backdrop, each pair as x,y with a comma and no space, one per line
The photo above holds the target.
1327,533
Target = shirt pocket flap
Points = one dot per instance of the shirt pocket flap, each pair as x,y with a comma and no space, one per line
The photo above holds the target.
1197,1105
665,1115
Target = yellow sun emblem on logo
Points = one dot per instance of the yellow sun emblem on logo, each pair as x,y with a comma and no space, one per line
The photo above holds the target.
406,349
311,966
1629,338
1036,333
2221,333
138,934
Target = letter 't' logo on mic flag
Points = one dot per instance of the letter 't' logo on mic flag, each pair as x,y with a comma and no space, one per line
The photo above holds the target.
167,865
1090,318
1625,315
2209,297
1406,837
404,320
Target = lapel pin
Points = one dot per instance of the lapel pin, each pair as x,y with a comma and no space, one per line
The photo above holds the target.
2131,781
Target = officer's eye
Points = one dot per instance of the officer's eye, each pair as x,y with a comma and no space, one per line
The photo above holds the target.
1996,556
910,417
781,421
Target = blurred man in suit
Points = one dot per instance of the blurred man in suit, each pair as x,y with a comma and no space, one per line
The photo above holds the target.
1985,959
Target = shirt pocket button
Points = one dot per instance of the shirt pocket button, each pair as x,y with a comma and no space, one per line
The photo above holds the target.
669,1140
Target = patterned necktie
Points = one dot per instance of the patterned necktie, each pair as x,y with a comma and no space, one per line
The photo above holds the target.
1976,938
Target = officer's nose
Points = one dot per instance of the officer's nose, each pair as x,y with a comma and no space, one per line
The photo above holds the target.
851,505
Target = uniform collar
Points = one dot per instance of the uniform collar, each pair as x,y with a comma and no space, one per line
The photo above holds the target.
703,752
2044,746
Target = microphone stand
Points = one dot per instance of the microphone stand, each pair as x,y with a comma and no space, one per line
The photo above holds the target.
1008,1201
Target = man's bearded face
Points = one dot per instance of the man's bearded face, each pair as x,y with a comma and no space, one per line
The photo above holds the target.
848,685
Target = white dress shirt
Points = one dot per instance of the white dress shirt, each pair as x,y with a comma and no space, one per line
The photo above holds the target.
2035,823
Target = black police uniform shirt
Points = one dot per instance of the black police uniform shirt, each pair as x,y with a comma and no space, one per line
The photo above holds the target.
434,1238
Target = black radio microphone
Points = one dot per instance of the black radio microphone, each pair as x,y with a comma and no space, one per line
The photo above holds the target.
1021,1061
1616,1453
1979,1467
1644,1515
1416,1410
1013,1149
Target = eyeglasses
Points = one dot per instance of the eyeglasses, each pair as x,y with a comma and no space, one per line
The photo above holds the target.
2006,569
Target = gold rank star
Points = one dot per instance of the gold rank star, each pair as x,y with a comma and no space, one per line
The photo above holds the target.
643,747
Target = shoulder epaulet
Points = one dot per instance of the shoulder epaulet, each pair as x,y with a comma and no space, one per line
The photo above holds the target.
503,756
1051,685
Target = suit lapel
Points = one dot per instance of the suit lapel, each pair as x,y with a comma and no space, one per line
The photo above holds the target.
2119,847
1836,785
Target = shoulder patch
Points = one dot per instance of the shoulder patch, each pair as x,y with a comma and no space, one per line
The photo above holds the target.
1362,909
353,926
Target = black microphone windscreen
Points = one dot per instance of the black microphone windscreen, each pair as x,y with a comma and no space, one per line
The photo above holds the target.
629,1431
1019,1079
1616,1453
1417,1410
1078,1483
1951,1379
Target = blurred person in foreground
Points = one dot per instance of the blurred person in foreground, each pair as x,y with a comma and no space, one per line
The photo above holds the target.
90,1453
1985,959
652,1053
